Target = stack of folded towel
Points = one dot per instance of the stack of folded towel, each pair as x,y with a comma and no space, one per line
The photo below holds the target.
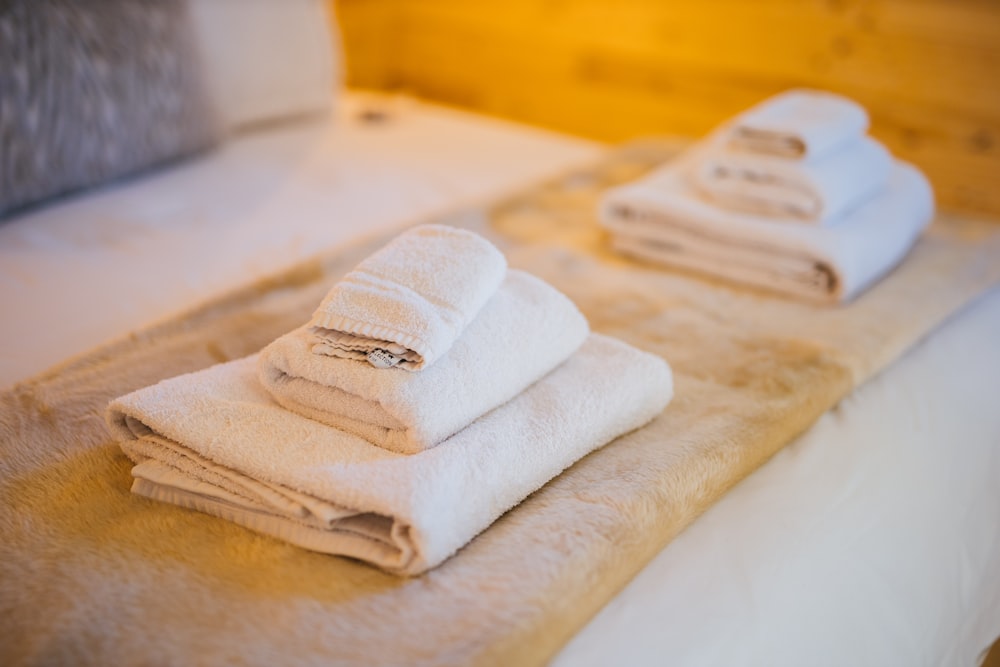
433,390
791,196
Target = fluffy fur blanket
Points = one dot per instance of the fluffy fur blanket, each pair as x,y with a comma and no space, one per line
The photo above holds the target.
90,574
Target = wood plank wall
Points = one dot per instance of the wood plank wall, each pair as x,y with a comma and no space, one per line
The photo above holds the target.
927,70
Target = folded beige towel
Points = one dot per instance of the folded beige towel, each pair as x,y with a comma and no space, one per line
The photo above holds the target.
216,441
819,191
407,303
661,218
806,124
522,333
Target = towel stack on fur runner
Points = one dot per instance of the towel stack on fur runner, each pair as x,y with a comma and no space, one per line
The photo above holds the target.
90,575
432,391
791,196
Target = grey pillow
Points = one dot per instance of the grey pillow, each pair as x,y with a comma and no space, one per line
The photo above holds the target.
94,90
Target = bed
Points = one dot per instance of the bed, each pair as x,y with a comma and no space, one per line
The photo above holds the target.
873,538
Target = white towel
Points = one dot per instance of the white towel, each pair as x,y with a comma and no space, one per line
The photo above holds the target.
820,191
662,219
215,441
407,303
522,333
806,124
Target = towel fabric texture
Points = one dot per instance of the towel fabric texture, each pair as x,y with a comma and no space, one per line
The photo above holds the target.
217,442
407,303
806,124
733,205
523,332
662,219
820,191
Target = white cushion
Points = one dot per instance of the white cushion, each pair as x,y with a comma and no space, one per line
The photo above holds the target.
267,60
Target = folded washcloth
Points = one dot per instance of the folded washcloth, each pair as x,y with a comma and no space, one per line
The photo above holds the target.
806,124
820,191
407,303
522,333
661,218
216,441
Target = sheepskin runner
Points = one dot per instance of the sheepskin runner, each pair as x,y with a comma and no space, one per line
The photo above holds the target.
92,575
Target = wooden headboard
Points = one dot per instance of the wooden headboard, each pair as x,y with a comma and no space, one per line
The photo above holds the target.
927,70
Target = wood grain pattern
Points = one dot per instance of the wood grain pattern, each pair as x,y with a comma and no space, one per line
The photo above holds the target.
927,70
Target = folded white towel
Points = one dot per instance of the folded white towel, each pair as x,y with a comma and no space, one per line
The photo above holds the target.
522,333
806,124
661,218
407,303
215,441
820,191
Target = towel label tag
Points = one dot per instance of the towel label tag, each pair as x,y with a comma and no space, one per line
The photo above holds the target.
380,358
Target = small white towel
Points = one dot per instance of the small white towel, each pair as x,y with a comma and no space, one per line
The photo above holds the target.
820,191
806,124
215,441
522,333
661,218
407,303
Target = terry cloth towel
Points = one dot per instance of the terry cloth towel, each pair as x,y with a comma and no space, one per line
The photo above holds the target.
526,330
661,219
408,302
215,441
805,124
819,191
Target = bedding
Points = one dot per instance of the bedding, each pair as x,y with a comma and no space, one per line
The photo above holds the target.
412,412
336,493
663,220
254,206
818,192
800,123
872,539
93,92
549,248
265,65
412,299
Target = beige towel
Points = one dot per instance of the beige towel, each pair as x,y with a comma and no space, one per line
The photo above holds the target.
407,303
525,331
215,441
806,124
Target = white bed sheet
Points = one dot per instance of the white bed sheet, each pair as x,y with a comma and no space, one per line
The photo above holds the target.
873,539
262,202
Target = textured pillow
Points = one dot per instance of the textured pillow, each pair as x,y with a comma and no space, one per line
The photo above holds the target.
92,91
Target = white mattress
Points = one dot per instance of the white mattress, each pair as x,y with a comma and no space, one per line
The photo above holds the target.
873,539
